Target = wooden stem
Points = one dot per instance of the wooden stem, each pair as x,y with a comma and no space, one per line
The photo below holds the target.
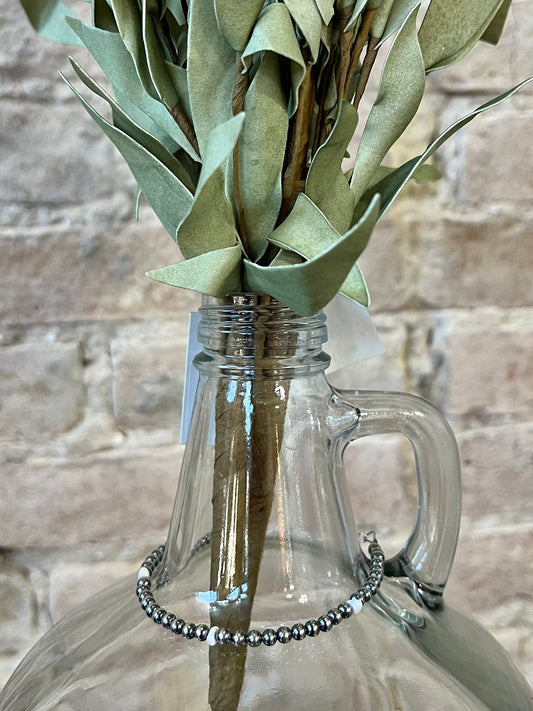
360,42
368,63
239,91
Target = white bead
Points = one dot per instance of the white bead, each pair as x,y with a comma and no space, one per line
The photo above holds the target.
355,604
212,636
143,573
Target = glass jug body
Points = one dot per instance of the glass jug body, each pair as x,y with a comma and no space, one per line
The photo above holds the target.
263,477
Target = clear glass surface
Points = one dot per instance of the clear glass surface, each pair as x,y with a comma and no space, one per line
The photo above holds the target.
263,471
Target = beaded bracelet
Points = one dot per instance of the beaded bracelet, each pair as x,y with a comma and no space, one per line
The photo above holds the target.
254,638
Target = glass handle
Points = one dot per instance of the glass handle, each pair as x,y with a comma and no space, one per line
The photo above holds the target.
429,551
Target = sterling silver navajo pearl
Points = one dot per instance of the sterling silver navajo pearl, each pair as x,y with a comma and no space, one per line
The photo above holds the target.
254,638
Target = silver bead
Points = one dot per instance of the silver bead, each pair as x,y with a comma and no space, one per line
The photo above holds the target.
324,623
364,595
239,638
345,610
201,632
177,625
269,637
188,630
158,615
224,636
167,620
152,609
151,559
335,616
312,628
157,555
298,631
144,582
254,638
284,635
148,600
371,586
144,593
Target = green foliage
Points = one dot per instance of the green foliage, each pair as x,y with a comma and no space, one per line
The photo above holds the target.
235,117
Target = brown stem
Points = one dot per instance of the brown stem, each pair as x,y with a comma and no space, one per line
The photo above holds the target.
345,44
298,143
239,91
183,122
368,63
360,41
250,415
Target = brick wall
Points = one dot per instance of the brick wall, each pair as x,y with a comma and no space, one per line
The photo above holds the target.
91,352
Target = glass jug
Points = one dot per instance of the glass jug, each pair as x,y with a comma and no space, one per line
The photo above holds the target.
262,537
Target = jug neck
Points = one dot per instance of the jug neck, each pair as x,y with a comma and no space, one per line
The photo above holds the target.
262,472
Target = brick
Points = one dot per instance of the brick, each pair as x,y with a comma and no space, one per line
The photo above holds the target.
47,161
502,173
489,367
29,63
69,276
41,390
476,261
495,69
73,583
480,580
497,473
100,498
17,609
382,372
148,382
382,486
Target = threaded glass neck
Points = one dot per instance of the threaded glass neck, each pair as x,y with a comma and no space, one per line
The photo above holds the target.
256,336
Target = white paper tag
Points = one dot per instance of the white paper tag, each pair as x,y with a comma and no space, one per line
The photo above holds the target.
191,377
352,335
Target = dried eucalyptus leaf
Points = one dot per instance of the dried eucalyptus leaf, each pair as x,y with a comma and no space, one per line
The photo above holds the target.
360,5
274,32
236,19
391,186
210,70
354,286
400,93
494,31
326,9
47,18
450,29
309,286
306,15
176,10
166,194
422,175
216,273
262,152
102,16
139,135
157,66
109,51
129,23
399,13
326,184
210,223
381,18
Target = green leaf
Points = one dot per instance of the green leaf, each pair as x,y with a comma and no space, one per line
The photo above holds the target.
210,70
422,175
102,16
109,51
309,286
157,66
494,31
216,273
210,222
168,197
133,130
176,10
326,184
274,32
307,16
326,9
47,18
380,20
360,5
450,29
400,93
129,23
399,13
236,19
391,186
262,152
